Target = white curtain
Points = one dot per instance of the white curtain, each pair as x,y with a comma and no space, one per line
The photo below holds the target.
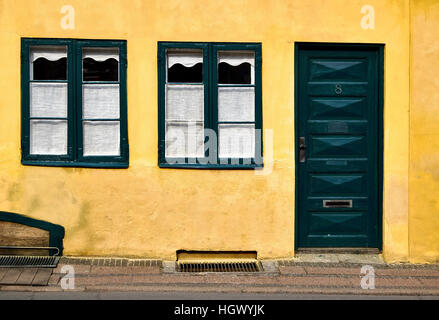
100,54
185,102
185,58
236,104
184,121
236,140
101,101
48,137
48,100
51,53
235,58
184,139
101,138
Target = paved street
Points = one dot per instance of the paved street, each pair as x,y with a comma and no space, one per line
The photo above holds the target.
142,295
292,279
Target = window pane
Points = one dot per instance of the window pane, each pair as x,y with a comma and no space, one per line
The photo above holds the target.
48,137
101,101
100,64
48,100
185,102
236,140
236,104
184,139
48,62
101,138
185,66
236,67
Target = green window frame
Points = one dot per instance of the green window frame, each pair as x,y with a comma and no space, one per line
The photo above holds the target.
210,81
74,156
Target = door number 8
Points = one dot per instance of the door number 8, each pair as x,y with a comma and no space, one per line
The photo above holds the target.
338,89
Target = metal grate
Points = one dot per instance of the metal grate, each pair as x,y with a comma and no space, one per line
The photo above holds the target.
219,267
29,261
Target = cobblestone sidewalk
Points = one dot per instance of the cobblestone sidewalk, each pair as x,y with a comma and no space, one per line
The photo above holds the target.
298,276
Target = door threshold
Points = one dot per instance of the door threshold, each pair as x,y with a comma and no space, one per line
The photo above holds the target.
339,250
339,256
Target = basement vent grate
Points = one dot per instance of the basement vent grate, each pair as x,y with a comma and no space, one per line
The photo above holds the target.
28,261
219,267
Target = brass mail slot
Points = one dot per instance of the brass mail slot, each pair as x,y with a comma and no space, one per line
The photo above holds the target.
337,203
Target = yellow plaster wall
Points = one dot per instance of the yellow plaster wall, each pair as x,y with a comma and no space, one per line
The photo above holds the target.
150,212
424,132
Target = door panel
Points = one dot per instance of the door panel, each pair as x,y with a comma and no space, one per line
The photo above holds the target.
335,184
338,114
337,108
334,69
336,146
337,223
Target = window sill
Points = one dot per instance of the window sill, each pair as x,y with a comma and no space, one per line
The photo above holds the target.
103,165
212,166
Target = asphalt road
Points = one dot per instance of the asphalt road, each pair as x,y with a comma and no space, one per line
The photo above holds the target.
76,295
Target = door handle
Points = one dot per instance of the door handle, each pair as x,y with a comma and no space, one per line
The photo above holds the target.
302,149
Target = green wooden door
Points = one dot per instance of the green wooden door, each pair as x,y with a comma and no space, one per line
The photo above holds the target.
338,124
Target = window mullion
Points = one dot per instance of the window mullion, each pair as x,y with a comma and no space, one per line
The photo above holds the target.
73,101
207,103
214,94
